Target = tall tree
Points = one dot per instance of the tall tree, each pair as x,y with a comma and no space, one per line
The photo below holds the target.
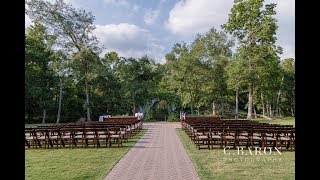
72,27
287,99
213,50
235,79
107,94
182,74
39,76
60,65
254,26
85,71
197,72
139,79
268,81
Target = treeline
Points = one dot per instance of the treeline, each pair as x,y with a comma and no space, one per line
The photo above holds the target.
66,79
116,85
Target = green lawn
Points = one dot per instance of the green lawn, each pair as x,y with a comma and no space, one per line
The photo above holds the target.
282,121
214,164
74,163
34,125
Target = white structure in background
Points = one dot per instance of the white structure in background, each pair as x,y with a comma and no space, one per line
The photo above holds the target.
139,115
104,116
182,115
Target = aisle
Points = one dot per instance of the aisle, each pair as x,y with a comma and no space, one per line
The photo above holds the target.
158,155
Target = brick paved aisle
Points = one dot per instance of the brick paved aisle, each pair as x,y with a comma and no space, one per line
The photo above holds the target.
158,155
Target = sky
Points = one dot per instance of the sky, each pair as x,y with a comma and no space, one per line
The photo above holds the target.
134,28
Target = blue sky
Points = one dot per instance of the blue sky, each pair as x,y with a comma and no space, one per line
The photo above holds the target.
134,28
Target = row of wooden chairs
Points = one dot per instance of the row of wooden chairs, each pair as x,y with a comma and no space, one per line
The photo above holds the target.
235,137
210,132
46,138
81,134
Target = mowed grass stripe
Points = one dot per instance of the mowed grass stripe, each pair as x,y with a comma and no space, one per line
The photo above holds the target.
214,164
74,163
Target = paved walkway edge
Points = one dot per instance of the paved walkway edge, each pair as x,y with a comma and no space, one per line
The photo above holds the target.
158,155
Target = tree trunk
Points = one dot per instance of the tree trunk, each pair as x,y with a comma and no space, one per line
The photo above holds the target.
278,98
44,116
59,105
277,104
213,108
292,107
270,110
87,102
250,101
142,108
263,105
254,111
133,109
198,111
237,105
267,109
57,96
280,112
222,108
191,105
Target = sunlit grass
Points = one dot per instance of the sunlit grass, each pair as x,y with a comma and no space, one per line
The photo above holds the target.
214,164
281,121
74,163
35,125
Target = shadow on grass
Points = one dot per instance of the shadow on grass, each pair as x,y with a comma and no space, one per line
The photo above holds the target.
75,163
215,164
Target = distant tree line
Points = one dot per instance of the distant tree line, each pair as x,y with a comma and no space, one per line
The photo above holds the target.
65,78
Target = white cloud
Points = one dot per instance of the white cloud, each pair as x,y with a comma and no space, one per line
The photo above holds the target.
66,1
69,1
162,1
151,16
288,51
189,17
28,21
135,8
117,2
51,1
129,40
285,10
286,32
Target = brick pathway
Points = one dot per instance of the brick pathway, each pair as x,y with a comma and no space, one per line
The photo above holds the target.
158,155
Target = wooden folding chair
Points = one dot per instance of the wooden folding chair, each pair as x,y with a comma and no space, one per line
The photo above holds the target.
115,136
216,137
202,137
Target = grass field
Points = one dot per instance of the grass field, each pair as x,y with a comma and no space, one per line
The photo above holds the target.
282,121
214,164
74,163
34,125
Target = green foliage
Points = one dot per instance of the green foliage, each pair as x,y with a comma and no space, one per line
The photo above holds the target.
197,72
173,116
149,114
139,79
73,30
61,46
257,62
39,77
287,100
73,27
